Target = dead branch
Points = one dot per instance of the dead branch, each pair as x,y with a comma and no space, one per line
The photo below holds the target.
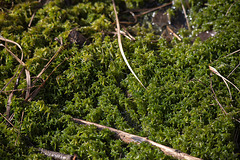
128,138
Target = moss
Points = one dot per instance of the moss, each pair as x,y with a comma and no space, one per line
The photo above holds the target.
177,109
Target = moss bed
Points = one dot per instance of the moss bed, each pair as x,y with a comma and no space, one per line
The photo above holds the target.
178,109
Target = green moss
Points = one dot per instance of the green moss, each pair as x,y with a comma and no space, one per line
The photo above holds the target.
177,109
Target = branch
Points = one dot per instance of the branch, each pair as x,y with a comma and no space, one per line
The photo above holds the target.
128,138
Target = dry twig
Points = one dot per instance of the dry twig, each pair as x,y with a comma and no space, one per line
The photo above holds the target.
174,34
128,138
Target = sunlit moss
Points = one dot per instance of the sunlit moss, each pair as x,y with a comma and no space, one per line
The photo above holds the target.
177,109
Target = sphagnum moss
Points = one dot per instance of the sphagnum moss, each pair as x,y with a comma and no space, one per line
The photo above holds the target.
177,109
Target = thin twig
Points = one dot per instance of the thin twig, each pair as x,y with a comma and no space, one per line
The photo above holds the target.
21,59
230,8
7,120
48,64
120,44
215,97
229,54
185,14
174,34
233,70
35,92
153,9
128,138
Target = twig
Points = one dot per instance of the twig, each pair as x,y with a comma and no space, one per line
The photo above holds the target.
48,64
19,60
229,54
215,97
233,70
8,108
120,44
230,8
35,92
185,14
128,138
57,155
153,9
8,121
174,34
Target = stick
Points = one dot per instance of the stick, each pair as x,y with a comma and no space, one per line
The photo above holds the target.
128,138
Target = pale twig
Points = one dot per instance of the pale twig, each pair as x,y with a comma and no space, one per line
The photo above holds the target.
120,44
128,138
174,34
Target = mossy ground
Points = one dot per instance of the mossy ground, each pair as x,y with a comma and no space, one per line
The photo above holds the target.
177,109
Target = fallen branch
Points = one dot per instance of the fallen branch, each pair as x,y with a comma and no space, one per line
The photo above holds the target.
128,138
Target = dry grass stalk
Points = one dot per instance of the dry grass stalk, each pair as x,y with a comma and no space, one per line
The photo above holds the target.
224,80
120,44
128,138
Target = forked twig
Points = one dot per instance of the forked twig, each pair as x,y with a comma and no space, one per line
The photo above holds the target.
120,44
128,138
